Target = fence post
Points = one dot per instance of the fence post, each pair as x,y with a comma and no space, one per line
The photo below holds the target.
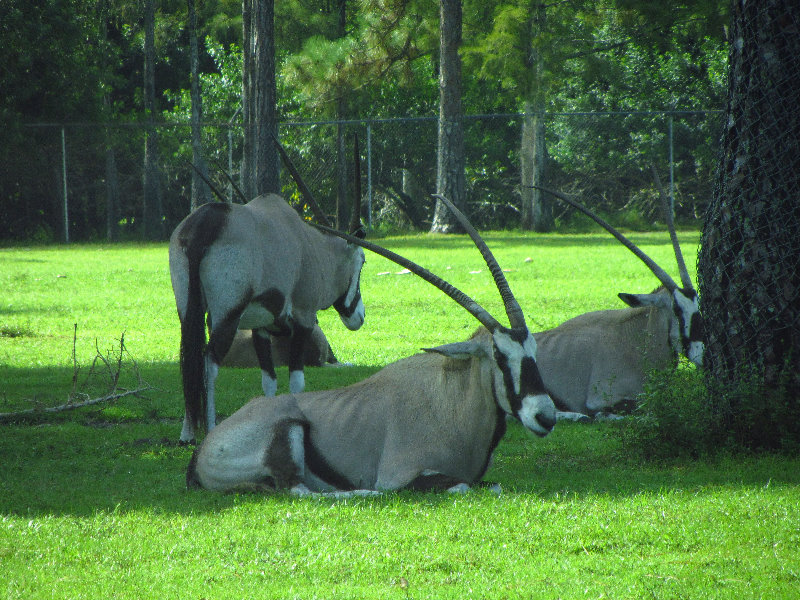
64,182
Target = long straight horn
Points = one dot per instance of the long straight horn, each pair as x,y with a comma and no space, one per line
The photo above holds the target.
304,191
207,181
472,307
235,187
660,273
686,280
355,217
515,315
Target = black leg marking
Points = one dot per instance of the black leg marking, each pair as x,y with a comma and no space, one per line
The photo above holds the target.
297,346
221,339
263,347
278,457
320,467
433,483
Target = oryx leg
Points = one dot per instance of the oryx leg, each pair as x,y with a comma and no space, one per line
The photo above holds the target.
263,347
431,481
297,346
219,342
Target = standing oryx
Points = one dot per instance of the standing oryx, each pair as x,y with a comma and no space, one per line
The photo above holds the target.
430,421
255,266
599,360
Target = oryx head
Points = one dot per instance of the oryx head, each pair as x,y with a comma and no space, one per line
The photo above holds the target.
686,325
517,386
349,305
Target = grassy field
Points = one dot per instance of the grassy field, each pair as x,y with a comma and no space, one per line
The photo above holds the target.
93,503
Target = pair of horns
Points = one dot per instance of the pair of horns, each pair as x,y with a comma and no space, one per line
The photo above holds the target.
319,214
660,273
513,310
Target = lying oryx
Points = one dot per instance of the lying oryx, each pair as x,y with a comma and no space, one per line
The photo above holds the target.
256,266
597,362
317,353
431,421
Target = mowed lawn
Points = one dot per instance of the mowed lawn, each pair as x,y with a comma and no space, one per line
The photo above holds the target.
93,502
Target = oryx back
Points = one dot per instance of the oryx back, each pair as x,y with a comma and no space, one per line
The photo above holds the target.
598,360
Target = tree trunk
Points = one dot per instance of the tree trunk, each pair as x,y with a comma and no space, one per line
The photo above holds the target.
342,203
153,228
112,194
264,95
450,177
200,191
537,210
749,263
247,169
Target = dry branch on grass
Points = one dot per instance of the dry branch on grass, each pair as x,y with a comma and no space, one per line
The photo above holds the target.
113,368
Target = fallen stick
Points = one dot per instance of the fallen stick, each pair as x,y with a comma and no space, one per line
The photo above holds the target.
73,405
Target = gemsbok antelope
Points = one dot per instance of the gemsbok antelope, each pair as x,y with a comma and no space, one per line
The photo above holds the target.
597,362
256,266
427,422
242,353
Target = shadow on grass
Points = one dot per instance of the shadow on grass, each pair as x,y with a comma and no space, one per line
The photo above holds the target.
125,456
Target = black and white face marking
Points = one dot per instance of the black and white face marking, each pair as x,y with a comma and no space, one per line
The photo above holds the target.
519,389
689,323
350,306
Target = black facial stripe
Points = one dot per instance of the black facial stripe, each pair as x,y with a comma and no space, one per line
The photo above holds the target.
531,383
345,310
697,328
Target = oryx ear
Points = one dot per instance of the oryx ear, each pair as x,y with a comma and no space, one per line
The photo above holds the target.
460,350
662,300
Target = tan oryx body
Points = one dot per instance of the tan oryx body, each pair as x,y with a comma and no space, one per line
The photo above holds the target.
242,353
597,362
256,266
430,421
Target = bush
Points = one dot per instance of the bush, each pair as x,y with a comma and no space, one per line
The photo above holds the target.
683,414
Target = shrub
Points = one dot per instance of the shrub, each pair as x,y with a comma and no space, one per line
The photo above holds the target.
682,413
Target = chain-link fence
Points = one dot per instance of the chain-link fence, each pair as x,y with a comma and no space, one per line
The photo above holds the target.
84,181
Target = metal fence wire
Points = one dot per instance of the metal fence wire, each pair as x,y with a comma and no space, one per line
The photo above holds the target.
750,256
85,180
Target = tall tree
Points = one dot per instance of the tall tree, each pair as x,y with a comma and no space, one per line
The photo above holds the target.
450,176
537,212
749,262
152,186
260,167
200,191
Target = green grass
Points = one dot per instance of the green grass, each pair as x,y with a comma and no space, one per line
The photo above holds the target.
93,503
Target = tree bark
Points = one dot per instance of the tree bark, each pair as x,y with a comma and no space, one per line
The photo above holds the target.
266,158
537,210
749,262
342,203
153,227
450,176
200,191
247,169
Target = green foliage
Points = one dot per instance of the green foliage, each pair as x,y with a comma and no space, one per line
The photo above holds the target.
683,414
